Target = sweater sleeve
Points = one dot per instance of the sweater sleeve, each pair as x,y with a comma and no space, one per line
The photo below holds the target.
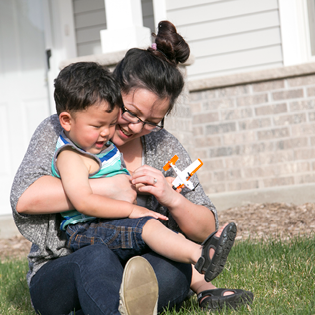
42,230
159,148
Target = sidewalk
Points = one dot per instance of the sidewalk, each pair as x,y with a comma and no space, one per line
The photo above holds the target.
7,227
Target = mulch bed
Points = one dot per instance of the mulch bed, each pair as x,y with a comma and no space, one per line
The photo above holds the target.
257,221
263,221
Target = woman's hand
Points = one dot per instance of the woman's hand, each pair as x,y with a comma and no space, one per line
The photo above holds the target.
154,182
117,187
195,221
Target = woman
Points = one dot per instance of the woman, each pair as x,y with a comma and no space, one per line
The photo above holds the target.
89,279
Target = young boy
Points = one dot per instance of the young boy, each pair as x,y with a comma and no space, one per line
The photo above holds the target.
88,102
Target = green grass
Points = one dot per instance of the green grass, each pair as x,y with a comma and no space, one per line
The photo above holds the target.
280,274
14,296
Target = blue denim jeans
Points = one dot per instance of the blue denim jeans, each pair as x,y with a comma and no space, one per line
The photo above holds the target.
89,279
122,236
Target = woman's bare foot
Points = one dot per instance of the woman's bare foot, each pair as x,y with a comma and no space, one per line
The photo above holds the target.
198,284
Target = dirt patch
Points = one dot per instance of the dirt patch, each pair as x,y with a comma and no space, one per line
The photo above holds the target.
253,220
15,247
271,220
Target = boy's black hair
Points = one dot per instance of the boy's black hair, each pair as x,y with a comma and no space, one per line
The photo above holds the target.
82,84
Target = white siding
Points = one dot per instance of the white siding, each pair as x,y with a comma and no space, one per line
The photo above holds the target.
226,37
90,19
147,13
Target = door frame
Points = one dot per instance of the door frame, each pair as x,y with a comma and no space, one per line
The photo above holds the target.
60,39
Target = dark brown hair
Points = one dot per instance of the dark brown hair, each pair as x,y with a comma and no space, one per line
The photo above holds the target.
155,70
83,84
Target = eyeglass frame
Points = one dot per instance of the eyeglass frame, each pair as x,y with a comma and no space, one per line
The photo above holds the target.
156,127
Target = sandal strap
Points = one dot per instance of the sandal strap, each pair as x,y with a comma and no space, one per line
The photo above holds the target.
212,239
202,294
213,292
214,299
201,261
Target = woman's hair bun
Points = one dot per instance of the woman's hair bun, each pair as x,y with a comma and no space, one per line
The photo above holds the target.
170,44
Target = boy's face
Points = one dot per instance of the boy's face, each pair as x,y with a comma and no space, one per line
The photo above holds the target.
90,129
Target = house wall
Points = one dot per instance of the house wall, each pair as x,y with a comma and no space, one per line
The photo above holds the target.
224,36
148,15
228,36
258,134
90,19
250,135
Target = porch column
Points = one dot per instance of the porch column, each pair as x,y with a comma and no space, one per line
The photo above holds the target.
125,28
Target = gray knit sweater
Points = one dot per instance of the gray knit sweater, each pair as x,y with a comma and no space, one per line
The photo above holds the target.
43,230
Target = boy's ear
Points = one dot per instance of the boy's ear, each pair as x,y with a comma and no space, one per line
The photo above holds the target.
65,120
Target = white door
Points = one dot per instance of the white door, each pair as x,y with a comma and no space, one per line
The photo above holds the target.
24,100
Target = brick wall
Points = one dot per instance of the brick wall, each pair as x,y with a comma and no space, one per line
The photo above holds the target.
179,122
255,135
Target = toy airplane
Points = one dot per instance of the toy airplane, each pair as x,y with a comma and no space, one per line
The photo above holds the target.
183,177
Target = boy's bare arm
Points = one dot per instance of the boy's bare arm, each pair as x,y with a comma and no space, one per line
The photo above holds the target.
117,187
74,176
46,195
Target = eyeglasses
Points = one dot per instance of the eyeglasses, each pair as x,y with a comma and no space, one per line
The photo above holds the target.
127,115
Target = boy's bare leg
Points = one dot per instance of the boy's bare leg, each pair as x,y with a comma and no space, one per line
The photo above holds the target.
172,245
169,244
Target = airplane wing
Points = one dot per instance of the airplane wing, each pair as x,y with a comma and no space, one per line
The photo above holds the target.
171,162
192,169
184,176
